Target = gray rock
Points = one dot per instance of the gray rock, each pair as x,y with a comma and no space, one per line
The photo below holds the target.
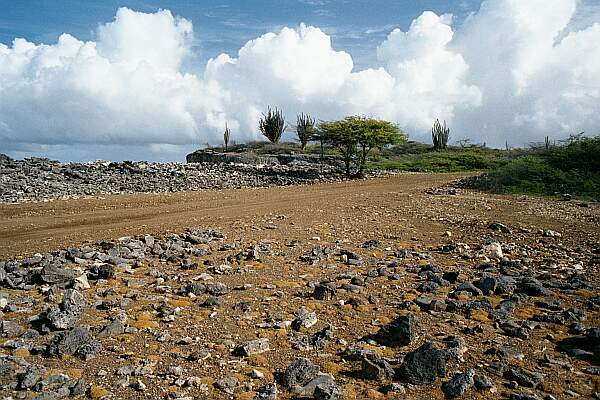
257,346
487,285
318,340
116,327
77,342
196,288
496,226
328,391
299,373
459,384
66,314
505,285
55,395
73,302
400,332
217,288
305,319
524,378
308,389
513,329
79,387
469,288
32,375
10,328
6,370
59,319
56,275
455,347
102,271
267,392
138,385
325,291
227,384
393,387
424,365
376,368
533,287
482,382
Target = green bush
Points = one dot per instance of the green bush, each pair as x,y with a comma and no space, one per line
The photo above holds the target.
456,159
571,167
578,153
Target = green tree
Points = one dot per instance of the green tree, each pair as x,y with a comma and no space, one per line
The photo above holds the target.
272,125
305,128
356,136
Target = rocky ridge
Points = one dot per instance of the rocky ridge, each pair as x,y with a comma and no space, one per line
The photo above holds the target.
34,179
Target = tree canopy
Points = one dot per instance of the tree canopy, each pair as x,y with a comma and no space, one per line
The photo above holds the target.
356,136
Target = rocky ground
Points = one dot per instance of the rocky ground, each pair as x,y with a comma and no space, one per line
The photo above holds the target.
393,288
43,179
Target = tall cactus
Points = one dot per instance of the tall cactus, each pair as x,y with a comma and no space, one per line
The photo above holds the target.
226,136
272,125
305,128
439,135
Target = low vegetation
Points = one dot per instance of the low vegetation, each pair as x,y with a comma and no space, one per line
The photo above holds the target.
418,157
570,167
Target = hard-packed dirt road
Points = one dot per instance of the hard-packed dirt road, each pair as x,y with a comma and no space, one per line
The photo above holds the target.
396,204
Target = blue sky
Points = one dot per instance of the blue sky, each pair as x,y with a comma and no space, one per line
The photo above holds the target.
356,26
129,80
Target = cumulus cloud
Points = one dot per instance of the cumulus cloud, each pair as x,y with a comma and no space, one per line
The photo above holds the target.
513,71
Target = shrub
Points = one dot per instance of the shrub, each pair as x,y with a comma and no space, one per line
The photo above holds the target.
305,128
571,167
272,125
439,135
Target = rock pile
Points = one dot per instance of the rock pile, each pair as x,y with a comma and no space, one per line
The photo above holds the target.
41,178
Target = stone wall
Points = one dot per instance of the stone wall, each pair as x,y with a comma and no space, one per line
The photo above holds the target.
213,157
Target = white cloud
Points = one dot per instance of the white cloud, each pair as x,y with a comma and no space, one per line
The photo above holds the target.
536,77
513,71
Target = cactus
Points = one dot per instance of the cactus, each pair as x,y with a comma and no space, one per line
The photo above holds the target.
439,135
272,125
305,128
226,136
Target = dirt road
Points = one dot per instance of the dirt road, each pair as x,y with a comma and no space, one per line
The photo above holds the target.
394,204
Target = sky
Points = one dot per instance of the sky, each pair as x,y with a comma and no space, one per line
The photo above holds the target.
154,80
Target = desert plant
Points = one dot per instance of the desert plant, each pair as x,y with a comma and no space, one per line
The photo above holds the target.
305,128
226,136
439,135
356,136
272,125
